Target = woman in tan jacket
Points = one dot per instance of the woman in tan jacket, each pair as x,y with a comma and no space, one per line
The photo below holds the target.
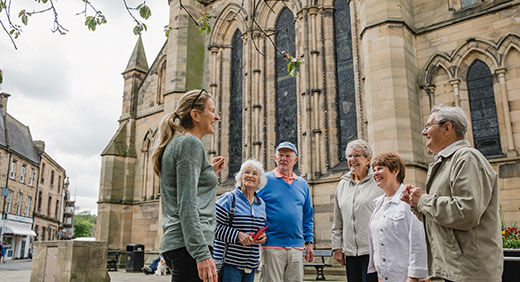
353,205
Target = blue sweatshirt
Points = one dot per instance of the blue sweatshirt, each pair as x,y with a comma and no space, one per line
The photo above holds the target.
289,212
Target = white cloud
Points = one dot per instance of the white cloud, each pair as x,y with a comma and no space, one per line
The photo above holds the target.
68,89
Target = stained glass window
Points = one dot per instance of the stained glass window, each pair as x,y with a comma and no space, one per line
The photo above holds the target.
286,102
345,91
483,110
235,108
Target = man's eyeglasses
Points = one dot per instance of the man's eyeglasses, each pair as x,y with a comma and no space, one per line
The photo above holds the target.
428,125
196,98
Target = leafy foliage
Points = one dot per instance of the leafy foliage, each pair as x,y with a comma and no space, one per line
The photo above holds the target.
204,23
93,21
84,224
1,77
293,66
167,30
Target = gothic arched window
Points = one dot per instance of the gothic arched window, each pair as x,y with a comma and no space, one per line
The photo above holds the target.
161,83
286,102
235,108
345,90
483,110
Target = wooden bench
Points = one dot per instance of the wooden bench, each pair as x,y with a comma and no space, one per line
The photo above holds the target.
113,259
320,266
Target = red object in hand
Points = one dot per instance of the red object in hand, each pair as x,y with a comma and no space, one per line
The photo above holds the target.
258,233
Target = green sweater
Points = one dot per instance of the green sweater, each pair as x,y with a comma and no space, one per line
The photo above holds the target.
188,192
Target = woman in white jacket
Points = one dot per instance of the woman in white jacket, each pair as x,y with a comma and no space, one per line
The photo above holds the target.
397,241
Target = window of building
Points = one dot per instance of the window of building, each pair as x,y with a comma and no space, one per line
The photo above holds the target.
484,120
286,102
9,200
161,83
43,233
39,201
52,178
36,227
49,202
12,173
22,174
345,88
19,203
235,109
57,209
42,174
31,177
467,3
59,183
28,206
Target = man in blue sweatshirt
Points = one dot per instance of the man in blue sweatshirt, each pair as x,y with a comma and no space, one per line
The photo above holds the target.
289,217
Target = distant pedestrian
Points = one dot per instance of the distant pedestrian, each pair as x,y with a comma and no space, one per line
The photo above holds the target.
289,217
459,206
188,185
3,250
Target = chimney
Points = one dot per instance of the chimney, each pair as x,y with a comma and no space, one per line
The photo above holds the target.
40,145
3,101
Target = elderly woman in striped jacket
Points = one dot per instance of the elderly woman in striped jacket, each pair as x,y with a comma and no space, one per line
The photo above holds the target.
240,216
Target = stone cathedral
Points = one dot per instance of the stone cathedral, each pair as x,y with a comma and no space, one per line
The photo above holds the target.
372,70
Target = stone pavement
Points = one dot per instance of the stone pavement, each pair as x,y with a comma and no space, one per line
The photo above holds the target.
20,271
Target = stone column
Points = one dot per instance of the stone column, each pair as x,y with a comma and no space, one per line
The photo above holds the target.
213,90
511,152
315,90
456,92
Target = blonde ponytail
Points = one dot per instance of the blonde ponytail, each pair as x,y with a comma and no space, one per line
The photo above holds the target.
167,130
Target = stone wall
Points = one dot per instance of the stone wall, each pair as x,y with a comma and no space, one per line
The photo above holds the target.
69,261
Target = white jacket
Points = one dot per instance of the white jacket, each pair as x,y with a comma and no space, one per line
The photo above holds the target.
402,244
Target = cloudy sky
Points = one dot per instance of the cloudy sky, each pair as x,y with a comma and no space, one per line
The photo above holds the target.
68,88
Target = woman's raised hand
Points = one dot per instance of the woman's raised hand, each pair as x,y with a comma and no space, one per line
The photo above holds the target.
218,163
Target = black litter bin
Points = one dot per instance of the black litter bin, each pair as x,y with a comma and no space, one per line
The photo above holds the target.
134,257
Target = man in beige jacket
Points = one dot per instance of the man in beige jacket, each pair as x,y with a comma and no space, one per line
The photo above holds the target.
460,205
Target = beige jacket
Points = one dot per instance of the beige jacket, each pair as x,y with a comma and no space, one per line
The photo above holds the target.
461,217
353,206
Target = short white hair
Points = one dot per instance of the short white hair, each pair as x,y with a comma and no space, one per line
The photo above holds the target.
359,145
256,165
455,115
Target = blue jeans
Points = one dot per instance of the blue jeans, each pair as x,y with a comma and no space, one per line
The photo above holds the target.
233,274
153,266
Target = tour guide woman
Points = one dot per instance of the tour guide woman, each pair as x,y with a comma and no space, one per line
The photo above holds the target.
353,205
397,242
235,249
188,187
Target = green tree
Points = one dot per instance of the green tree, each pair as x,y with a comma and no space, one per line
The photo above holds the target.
84,224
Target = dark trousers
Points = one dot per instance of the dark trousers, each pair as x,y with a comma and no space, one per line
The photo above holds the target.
182,265
446,280
357,269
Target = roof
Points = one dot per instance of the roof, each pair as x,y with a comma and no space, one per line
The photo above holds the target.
17,137
138,58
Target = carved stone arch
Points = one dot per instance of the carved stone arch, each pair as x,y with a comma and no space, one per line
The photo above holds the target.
511,41
486,49
232,17
161,79
148,141
438,60
267,12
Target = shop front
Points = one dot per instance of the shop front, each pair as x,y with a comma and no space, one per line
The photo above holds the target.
17,233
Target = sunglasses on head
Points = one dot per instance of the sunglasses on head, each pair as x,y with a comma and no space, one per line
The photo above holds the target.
196,98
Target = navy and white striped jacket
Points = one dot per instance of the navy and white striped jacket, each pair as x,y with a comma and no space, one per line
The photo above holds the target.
248,218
